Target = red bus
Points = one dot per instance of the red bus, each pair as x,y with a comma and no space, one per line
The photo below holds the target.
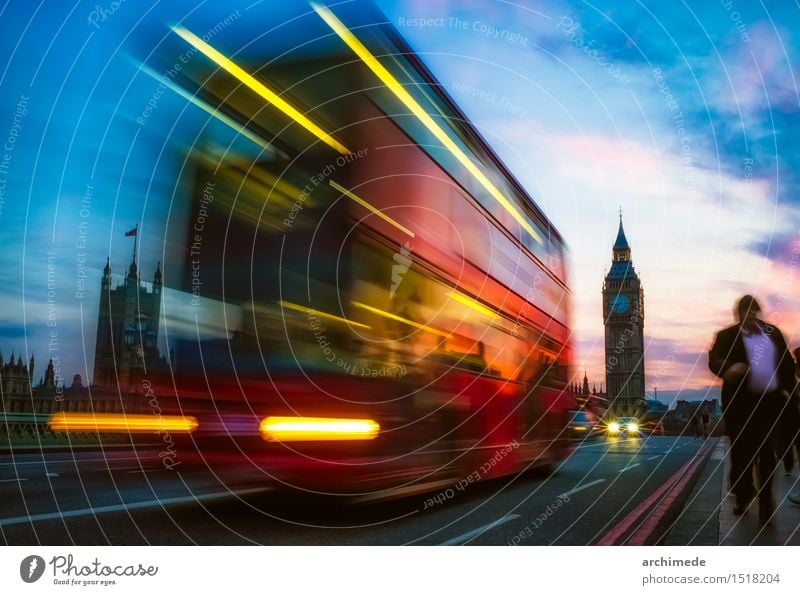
368,302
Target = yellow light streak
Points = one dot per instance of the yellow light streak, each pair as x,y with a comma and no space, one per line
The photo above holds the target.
213,112
319,314
370,208
399,91
391,316
260,88
293,429
121,422
470,303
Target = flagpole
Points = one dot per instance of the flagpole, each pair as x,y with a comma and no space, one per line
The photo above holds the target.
135,239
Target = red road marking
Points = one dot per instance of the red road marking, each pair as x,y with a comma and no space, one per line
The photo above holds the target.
642,534
614,534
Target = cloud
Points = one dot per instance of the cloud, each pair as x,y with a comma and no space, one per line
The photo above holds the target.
757,77
783,249
11,332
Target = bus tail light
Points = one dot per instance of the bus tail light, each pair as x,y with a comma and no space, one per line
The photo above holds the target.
294,429
121,422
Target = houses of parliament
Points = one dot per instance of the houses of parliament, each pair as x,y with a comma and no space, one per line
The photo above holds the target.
125,351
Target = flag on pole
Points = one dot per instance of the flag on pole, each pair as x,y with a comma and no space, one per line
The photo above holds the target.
131,232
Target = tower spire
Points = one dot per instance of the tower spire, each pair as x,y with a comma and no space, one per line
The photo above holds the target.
136,238
621,249
621,243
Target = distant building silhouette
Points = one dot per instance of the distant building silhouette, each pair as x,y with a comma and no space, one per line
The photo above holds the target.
656,407
16,378
593,399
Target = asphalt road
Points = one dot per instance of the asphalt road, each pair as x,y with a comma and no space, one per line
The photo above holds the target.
124,498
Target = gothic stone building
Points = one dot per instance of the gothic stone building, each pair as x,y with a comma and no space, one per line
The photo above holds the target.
16,380
623,316
127,329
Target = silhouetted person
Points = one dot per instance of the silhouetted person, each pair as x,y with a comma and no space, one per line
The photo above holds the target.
695,423
757,374
789,430
705,419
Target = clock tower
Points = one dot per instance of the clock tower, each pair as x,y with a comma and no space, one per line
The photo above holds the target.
623,316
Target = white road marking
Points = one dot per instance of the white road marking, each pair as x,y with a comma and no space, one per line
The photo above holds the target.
480,530
624,469
18,479
68,447
654,457
49,516
128,469
51,474
45,461
585,486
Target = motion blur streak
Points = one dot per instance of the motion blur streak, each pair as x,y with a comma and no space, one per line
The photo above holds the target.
291,429
319,314
470,303
213,112
115,422
370,208
254,84
391,316
395,87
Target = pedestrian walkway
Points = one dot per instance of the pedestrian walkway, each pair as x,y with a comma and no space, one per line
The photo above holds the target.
745,529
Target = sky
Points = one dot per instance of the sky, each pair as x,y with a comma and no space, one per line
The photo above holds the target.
683,115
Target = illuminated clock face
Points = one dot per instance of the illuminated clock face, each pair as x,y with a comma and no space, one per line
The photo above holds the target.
620,304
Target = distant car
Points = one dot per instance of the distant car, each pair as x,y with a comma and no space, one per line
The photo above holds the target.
653,427
582,425
623,427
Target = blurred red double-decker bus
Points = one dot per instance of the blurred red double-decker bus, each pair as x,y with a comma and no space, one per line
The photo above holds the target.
368,302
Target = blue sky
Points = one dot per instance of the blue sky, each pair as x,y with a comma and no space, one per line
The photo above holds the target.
572,95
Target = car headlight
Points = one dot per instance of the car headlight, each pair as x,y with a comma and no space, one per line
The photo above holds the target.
633,427
613,427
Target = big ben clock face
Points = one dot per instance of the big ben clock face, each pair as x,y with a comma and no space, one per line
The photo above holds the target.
620,304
